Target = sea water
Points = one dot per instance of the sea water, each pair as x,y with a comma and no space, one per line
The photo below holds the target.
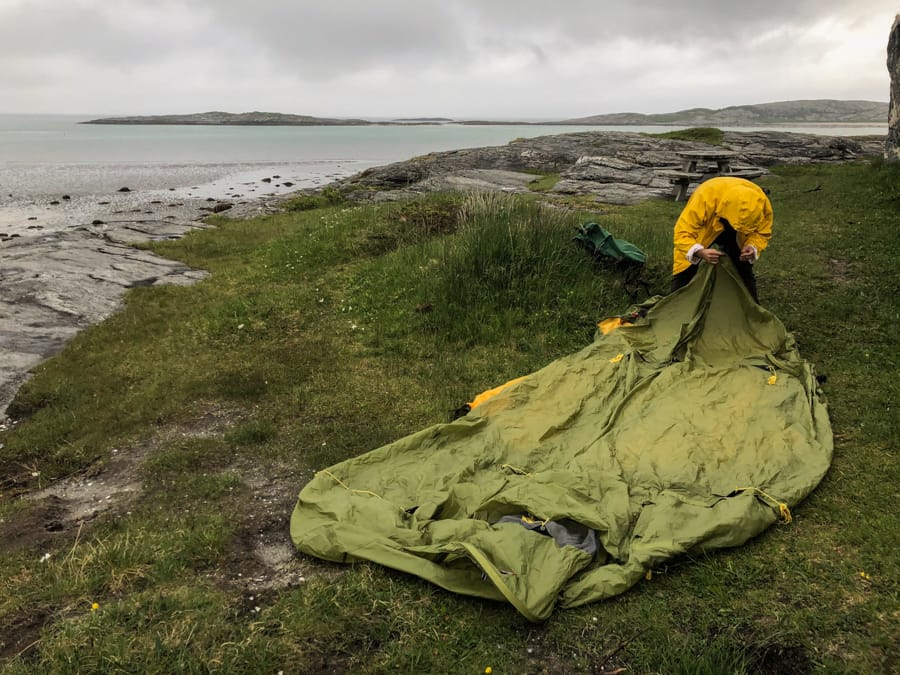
48,154
46,157
50,158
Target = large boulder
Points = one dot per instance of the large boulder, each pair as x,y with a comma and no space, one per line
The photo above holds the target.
892,144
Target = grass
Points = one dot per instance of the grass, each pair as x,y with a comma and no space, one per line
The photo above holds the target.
327,196
710,135
544,183
326,332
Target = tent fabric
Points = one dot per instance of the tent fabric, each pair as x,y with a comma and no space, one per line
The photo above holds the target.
695,427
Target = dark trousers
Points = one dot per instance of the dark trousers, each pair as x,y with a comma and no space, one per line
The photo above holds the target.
727,241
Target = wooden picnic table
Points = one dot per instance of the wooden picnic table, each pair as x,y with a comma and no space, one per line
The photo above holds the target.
722,158
697,166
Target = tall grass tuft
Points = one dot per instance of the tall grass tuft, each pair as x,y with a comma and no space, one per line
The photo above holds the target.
512,262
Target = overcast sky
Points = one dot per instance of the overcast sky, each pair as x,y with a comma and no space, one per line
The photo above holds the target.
509,59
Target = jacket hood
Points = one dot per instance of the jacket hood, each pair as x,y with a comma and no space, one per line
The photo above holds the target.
743,207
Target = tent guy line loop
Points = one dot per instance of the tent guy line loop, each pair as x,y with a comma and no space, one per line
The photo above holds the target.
516,470
783,509
347,487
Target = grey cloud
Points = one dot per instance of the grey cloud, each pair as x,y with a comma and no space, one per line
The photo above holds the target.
401,52
322,39
102,33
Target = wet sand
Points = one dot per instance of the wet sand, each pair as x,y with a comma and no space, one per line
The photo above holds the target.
41,198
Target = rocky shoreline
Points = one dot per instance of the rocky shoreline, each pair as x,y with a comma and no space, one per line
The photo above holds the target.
612,167
55,283
58,281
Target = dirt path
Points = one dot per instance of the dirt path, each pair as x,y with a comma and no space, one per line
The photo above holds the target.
260,560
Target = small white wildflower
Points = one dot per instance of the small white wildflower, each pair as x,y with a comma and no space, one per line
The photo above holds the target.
45,557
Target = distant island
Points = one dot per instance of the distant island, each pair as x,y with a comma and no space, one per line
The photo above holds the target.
426,120
236,119
819,111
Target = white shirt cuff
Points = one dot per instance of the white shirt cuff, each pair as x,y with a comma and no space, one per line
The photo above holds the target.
691,251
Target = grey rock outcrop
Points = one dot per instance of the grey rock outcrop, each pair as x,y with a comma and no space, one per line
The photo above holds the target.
613,167
615,180
479,180
54,286
892,143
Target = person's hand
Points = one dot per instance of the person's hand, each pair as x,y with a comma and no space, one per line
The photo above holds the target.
709,255
748,254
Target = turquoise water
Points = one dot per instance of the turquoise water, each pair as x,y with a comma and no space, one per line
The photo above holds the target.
43,157
60,139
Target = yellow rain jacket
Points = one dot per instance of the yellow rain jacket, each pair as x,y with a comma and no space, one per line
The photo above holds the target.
742,203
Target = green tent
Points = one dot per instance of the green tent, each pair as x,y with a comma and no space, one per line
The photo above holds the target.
695,427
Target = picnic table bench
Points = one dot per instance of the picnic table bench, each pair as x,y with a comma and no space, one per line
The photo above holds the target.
689,172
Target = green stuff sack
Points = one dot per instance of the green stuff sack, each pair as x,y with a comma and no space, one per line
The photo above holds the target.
607,251
695,428
597,241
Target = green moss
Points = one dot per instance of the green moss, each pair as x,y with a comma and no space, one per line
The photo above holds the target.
709,135
545,183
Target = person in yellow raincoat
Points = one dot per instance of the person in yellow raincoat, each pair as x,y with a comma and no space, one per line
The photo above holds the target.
732,214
